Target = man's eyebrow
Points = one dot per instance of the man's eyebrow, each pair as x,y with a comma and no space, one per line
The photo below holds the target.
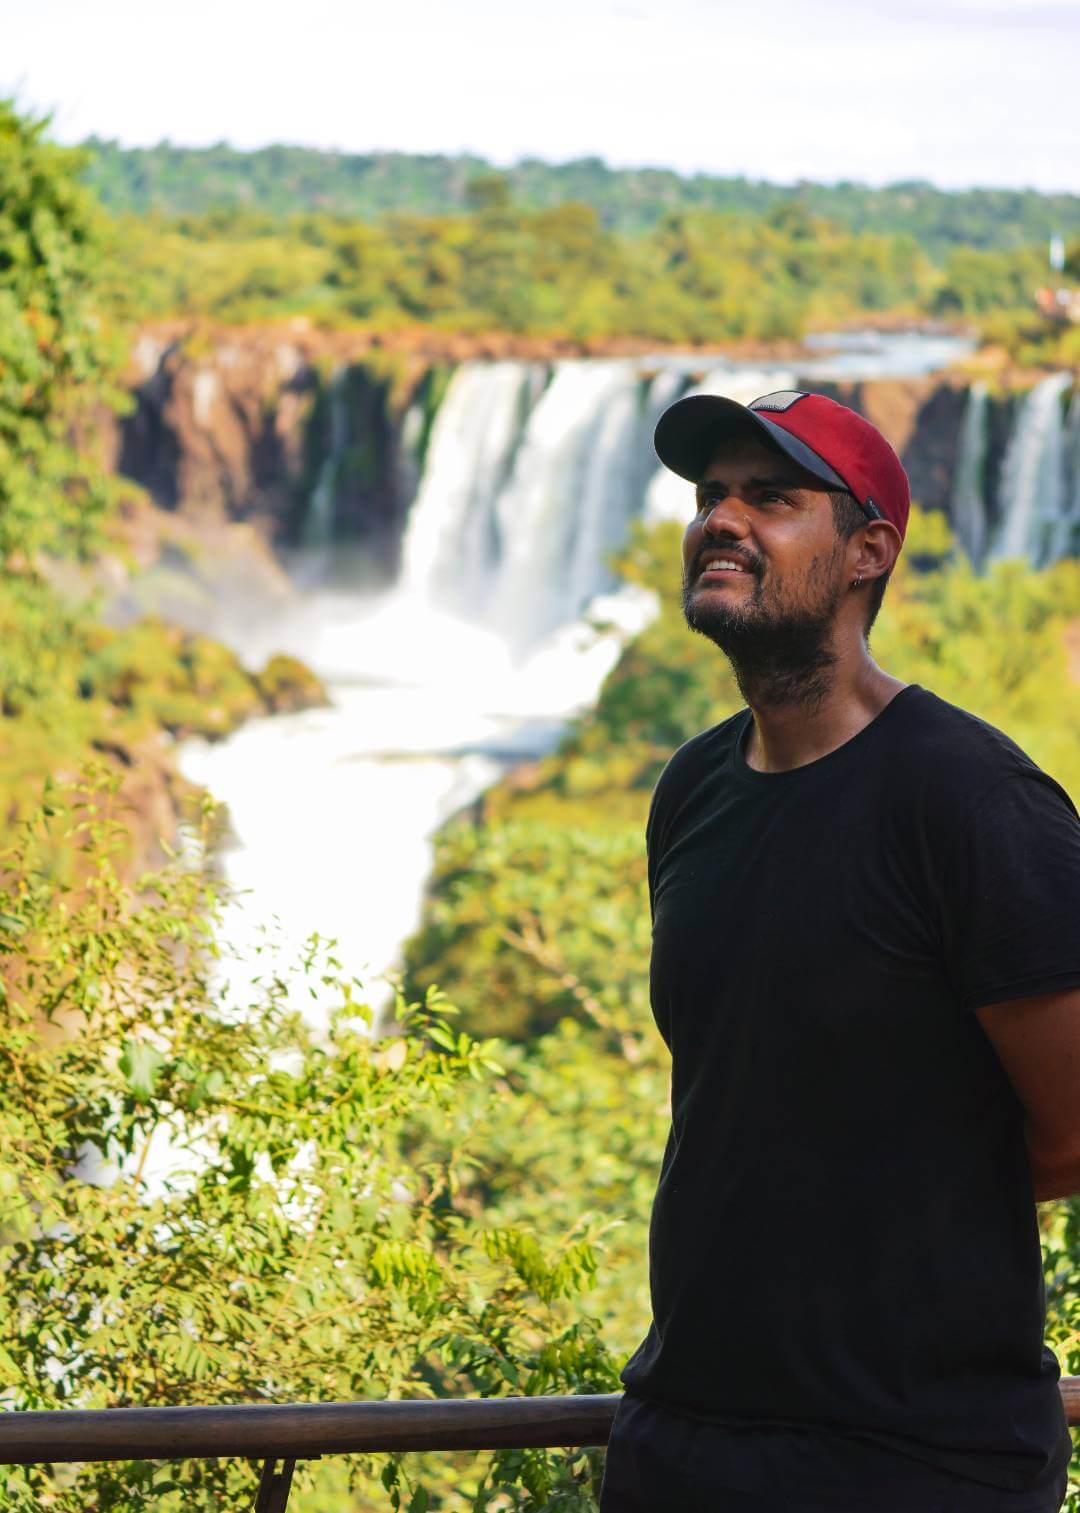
780,481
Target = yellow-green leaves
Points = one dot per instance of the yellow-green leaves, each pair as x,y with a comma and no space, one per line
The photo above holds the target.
212,1201
56,360
141,1065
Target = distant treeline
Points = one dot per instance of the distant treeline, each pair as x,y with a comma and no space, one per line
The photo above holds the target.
282,181
697,276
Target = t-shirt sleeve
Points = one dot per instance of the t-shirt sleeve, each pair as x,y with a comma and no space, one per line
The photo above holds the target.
657,824
1011,894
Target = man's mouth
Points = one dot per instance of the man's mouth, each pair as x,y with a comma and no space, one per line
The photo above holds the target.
716,568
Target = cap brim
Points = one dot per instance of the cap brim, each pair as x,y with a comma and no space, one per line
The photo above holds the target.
692,430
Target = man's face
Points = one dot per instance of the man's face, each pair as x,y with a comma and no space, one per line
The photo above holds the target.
759,510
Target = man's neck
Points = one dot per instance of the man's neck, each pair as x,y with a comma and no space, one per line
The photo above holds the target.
791,732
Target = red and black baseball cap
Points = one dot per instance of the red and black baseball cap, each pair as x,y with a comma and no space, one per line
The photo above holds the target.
828,440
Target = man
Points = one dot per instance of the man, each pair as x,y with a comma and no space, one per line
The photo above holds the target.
866,966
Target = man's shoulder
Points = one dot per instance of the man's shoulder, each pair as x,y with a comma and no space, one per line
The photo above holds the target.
701,751
942,752
690,763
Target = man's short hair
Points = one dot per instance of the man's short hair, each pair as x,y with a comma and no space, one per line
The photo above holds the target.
848,516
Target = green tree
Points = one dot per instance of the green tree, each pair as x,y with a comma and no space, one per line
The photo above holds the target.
488,192
980,283
55,355
204,1200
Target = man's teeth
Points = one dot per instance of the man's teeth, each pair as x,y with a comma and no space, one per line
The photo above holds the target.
726,562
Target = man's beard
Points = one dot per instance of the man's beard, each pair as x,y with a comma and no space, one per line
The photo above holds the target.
780,654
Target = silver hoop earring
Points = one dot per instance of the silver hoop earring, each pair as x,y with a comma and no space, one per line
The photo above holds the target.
855,582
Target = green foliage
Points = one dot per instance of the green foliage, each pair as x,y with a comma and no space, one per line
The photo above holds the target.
979,283
994,644
1032,341
273,182
70,686
574,1144
55,355
576,251
697,275
511,894
286,683
209,1201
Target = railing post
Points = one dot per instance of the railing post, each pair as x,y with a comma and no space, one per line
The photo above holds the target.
273,1493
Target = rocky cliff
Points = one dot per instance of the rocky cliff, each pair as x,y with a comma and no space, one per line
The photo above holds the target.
235,427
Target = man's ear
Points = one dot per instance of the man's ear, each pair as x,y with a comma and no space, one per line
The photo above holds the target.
878,550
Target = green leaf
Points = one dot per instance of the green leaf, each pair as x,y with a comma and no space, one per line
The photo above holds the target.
141,1065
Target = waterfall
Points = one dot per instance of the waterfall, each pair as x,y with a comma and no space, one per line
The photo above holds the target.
532,477
1033,482
319,523
1066,541
968,503
453,541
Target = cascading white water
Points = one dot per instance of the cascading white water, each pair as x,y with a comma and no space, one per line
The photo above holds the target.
528,487
1033,483
319,524
968,504
1066,539
452,542
577,480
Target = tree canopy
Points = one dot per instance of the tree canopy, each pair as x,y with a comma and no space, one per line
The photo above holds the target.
55,351
281,180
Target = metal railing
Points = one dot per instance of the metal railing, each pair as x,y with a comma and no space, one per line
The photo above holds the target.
281,1434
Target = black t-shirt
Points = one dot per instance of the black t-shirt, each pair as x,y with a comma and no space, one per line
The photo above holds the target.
844,1233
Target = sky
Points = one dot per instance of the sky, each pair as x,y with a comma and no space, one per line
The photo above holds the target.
958,92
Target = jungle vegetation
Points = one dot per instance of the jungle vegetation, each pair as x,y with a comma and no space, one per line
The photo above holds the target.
696,276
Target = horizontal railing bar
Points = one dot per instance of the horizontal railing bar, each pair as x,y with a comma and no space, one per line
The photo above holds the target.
300,1430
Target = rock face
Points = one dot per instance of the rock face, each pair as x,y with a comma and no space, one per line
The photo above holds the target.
257,425
217,432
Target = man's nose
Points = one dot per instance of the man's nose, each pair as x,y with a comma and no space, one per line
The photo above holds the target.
726,517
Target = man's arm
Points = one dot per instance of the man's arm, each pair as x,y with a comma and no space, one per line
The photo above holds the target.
1038,1043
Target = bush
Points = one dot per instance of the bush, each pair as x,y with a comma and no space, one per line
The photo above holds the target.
208,1201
